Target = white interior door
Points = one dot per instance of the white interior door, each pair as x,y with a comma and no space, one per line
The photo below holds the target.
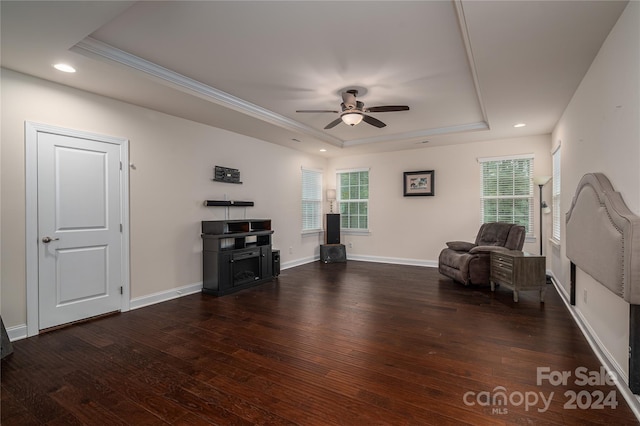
79,228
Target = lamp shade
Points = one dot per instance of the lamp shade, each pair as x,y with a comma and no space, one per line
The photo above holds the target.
331,194
541,180
352,118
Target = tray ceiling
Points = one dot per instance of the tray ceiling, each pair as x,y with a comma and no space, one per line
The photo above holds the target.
468,70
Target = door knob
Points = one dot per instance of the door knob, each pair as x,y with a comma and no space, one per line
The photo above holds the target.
49,239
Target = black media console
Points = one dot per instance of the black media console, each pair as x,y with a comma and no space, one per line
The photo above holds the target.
236,254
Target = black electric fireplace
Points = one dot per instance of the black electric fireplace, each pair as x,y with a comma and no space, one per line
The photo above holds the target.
236,254
245,267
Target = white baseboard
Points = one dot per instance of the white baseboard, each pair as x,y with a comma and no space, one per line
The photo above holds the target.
588,330
163,296
17,332
393,260
365,258
298,262
601,352
617,368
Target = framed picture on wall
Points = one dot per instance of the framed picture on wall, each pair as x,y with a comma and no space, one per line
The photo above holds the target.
419,183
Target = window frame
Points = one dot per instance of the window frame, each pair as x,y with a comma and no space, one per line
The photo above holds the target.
312,200
362,202
530,217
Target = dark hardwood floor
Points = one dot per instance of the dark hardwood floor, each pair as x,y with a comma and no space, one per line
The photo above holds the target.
338,344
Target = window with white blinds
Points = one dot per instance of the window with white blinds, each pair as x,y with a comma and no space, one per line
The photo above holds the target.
353,197
311,200
555,200
507,190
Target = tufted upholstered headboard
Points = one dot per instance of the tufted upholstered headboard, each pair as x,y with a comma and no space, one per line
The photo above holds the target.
603,237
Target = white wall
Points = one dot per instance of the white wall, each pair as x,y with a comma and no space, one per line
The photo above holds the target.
600,132
174,160
415,229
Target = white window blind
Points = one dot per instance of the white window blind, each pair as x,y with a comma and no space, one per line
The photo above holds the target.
555,200
353,198
507,190
311,200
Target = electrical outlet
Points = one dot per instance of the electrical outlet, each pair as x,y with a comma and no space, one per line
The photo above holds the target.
584,295
290,250
350,245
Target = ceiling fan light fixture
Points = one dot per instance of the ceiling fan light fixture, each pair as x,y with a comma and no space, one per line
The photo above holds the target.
353,111
352,118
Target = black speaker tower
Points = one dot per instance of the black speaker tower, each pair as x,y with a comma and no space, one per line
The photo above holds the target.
333,228
333,251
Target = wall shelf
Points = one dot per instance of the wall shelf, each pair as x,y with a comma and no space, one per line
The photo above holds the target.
225,181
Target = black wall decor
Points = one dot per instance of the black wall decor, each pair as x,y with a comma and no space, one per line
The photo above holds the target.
226,174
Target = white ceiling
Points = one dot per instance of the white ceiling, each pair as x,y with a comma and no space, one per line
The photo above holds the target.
469,70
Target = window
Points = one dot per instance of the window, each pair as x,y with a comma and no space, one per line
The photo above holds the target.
555,200
311,200
353,198
507,190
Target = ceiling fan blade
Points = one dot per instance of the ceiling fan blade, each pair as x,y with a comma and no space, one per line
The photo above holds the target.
349,100
333,124
373,121
388,108
318,110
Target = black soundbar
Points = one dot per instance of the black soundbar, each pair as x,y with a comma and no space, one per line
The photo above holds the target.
225,203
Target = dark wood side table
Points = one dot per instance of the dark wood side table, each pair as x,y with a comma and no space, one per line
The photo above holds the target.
518,271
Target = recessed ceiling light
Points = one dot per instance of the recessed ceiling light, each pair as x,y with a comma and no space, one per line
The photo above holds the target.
519,125
323,150
64,68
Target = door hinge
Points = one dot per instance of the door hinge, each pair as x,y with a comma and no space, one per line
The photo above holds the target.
121,228
121,165
121,290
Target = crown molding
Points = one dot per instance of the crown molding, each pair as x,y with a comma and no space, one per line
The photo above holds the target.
420,134
97,49
464,31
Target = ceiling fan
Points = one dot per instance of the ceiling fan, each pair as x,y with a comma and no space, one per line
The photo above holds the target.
353,111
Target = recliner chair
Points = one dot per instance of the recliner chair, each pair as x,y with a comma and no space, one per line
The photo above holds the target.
468,263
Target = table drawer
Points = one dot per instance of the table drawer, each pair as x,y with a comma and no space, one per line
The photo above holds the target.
501,259
504,276
518,271
496,264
